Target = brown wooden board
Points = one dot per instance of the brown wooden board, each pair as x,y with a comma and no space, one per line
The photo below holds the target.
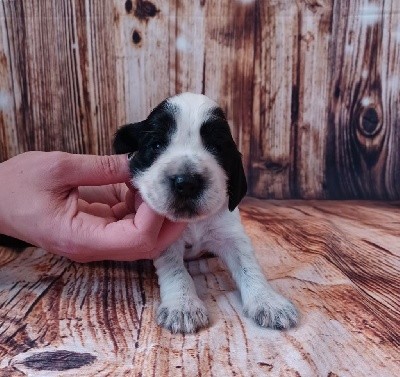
310,88
339,262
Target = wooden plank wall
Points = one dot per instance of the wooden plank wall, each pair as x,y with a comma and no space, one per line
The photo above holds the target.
311,87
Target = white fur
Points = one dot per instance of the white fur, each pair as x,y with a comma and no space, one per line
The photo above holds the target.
215,229
185,148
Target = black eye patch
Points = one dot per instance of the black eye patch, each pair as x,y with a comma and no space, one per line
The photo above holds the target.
216,136
155,139
156,135
217,139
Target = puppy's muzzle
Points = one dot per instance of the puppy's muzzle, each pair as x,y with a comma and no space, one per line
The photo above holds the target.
187,186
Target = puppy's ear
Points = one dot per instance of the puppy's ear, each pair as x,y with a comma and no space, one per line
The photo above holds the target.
237,184
217,138
128,137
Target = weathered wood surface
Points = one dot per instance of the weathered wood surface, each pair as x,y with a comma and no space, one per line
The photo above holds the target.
339,263
364,107
311,88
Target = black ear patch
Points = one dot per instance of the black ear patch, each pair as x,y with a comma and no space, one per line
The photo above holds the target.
147,138
237,184
128,138
217,139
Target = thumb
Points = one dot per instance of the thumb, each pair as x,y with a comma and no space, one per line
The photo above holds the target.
91,170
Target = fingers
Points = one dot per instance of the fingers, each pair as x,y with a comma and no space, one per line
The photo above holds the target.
90,170
96,209
130,201
105,201
96,235
95,238
169,233
108,194
121,210
148,222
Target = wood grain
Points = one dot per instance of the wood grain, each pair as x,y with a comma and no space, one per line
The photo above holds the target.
276,99
143,69
364,107
310,88
338,261
8,132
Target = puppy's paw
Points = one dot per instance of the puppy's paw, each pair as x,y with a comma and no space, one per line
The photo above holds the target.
182,317
273,311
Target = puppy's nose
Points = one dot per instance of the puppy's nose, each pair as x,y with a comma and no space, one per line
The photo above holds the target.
188,185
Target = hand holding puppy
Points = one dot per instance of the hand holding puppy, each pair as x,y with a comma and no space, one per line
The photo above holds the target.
78,206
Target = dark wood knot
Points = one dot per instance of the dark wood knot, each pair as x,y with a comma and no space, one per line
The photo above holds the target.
145,10
370,122
58,360
128,6
274,167
136,37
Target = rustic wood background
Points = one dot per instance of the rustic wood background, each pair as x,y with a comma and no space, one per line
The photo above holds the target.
338,262
311,87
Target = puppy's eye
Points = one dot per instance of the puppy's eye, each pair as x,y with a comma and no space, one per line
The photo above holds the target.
157,145
216,147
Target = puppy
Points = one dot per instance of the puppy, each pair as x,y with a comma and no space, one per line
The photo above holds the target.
186,167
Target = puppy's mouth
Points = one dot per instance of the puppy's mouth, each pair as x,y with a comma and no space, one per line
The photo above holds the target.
186,197
186,192
185,210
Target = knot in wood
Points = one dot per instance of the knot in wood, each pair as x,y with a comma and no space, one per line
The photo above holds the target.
370,122
136,37
145,10
274,167
128,6
58,360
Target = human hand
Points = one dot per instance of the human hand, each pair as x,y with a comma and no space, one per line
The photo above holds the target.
45,199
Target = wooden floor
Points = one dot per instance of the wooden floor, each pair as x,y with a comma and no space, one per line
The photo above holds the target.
339,262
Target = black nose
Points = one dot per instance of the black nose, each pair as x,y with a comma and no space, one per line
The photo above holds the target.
187,185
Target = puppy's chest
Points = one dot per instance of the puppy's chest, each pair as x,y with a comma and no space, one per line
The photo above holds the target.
197,238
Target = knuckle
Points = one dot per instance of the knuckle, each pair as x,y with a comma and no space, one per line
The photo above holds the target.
59,163
77,255
155,253
147,243
77,259
109,165
69,249
30,154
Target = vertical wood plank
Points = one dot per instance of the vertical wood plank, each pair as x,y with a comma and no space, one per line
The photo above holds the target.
229,65
275,105
213,45
63,65
143,54
8,91
187,48
364,139
39,35
15,46
310,99
291,92
96,29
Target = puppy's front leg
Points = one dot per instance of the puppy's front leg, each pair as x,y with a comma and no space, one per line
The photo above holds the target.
181,310
261,303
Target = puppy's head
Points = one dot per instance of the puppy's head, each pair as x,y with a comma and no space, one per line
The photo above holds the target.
183,158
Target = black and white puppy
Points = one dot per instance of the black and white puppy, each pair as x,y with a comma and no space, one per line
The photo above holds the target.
186,166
